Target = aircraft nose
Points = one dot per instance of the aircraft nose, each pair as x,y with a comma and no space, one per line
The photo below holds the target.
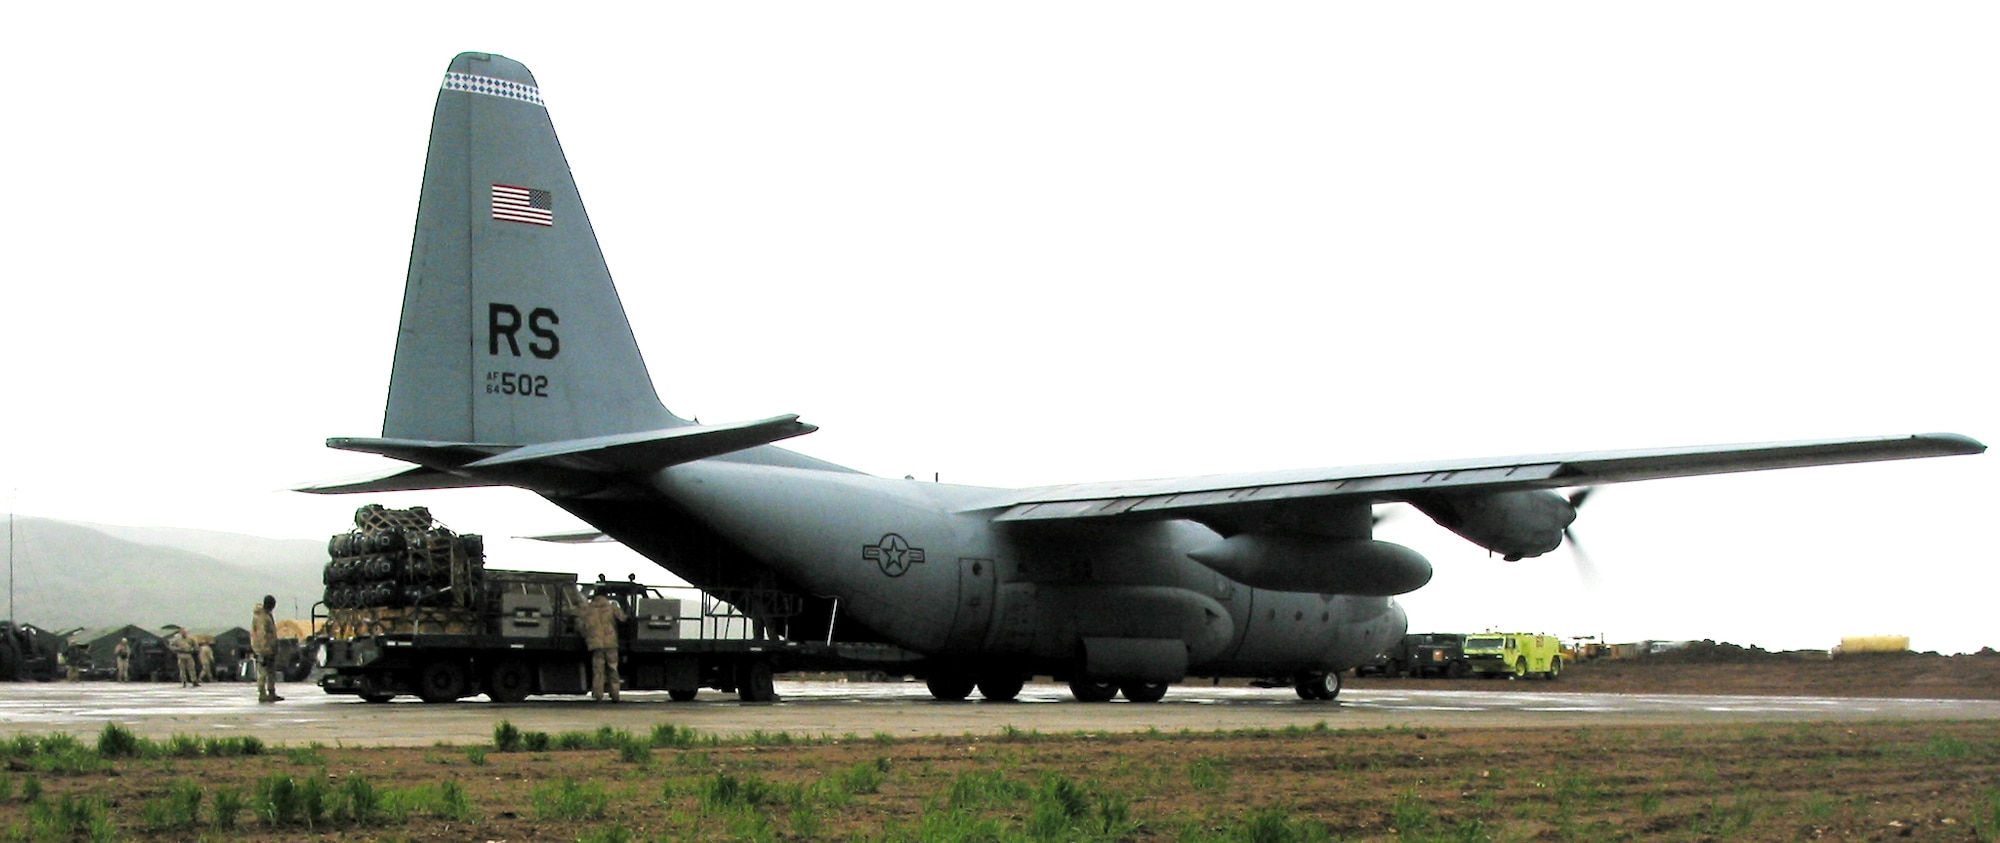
1397,620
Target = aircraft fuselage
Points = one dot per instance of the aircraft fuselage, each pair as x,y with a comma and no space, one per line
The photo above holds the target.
927,565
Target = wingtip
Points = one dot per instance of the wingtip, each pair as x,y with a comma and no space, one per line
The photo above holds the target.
1954,443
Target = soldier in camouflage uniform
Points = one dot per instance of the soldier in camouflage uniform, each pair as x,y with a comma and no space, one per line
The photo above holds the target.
183,648
600,619
264,646
204,655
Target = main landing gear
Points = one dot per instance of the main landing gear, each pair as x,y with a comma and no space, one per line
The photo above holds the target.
1318,686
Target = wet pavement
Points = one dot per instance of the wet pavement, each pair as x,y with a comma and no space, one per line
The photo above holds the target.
893,708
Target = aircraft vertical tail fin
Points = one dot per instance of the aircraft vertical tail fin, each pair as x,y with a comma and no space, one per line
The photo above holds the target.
512,332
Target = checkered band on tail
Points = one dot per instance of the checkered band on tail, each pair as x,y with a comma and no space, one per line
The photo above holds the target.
493,87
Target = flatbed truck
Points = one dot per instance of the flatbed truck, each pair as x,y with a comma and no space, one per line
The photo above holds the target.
411,609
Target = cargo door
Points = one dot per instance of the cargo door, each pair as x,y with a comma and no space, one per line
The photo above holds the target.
976,579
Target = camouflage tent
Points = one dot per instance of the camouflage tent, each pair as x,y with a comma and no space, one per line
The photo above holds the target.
150,658
231,645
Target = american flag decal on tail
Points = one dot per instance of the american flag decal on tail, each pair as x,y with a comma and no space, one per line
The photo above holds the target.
523,204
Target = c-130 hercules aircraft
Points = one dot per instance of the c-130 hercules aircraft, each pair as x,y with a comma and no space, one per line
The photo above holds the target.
515,365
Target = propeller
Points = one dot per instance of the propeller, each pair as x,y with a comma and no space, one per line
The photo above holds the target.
1586,570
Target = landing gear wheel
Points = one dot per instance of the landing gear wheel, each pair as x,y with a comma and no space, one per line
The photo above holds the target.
949,687
1144,692
509,682
1092,691
1001,688
1318,686
682,694
441,682
753,683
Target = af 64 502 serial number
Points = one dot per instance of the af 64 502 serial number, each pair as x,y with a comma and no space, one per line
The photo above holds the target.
519,384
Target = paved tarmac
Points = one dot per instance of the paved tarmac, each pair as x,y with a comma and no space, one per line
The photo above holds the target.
899,709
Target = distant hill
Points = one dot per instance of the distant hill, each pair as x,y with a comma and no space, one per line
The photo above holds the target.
69,574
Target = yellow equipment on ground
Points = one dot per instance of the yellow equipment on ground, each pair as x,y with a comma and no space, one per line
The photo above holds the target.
1517,655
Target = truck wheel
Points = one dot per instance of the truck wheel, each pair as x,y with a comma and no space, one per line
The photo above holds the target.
753,683
377,698
1092,691
1456,671
949,687
441,682
1555,669
1001,687
509,682
682,694
1521,668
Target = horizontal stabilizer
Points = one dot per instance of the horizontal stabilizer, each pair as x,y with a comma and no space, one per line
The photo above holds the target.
413,479
569,467
649,450
580,537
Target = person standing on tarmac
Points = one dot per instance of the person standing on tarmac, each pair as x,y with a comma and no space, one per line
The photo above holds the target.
124,654
600,619
183,648
204,655
264,647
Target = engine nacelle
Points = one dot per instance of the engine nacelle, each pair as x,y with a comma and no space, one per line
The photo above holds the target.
1512,524
1285,561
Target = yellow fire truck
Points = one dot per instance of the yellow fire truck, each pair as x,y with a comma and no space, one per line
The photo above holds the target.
1518,655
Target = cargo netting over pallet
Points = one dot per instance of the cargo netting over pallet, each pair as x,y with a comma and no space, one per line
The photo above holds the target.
400,570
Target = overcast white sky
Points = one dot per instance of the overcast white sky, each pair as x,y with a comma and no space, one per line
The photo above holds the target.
1030,243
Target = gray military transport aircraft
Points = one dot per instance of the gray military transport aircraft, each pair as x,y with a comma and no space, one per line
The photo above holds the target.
515,365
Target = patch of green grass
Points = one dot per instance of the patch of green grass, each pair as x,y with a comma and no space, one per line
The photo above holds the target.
606,834
1986,817
865,777
975,789
506,737
571,800
536,741
277,800
476,755
670,736
360,801
1208,773
723,792
70,818
1947,748
117,742
184,746
806,823
1057,808
228,806
309,755
636,752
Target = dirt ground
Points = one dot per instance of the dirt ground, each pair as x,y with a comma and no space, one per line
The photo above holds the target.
1882,781
1712,668
1809,780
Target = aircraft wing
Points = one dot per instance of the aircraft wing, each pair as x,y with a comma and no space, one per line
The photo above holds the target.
1184,497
